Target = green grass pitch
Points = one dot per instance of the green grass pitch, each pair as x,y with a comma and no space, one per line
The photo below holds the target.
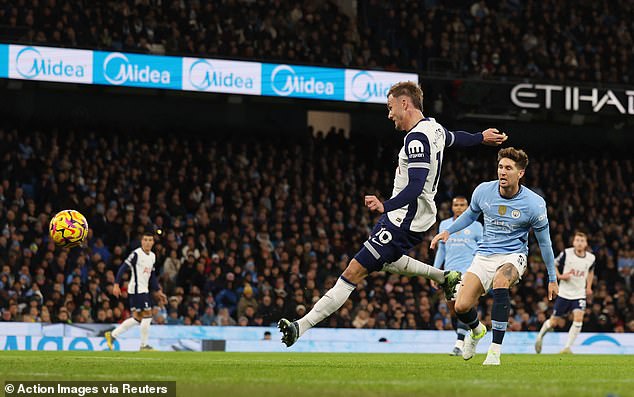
320,374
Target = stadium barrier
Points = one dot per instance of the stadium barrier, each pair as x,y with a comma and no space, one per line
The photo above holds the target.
37,336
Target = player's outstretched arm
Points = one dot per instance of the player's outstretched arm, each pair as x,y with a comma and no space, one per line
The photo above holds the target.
463,221
564,276
546,247
440,256
490,137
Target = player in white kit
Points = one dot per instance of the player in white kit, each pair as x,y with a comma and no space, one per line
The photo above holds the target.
143,278
575,271
406,215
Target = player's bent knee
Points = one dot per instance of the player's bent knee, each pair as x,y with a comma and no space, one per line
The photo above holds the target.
355,272
505,276
462,306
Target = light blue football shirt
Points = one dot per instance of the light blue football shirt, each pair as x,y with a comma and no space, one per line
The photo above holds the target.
457,253
507,221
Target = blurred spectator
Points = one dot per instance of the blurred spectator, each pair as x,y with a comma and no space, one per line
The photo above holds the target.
247,300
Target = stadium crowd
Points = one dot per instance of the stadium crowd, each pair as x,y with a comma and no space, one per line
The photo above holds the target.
254,229
587,41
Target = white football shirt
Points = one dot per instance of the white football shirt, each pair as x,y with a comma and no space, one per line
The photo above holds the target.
423,148
580,266
141,265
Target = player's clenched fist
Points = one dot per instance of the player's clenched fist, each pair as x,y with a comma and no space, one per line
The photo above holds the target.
374,204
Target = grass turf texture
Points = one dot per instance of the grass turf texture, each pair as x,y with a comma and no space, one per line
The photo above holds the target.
303,375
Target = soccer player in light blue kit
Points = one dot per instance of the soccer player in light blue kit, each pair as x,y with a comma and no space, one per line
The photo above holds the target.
406,215
457,254
510,211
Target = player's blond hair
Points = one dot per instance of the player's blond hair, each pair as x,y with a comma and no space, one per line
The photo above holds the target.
518,155
410,89
581,234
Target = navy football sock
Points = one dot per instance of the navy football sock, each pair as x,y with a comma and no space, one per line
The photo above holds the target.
500,313
469,318
461,329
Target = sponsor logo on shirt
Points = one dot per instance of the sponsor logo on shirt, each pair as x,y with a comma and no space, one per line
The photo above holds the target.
415,149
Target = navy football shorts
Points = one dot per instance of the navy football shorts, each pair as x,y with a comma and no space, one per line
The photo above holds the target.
140,302
386,244
564,306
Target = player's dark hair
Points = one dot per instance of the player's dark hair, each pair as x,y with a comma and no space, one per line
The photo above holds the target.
148,233
518,155
459,197
412,90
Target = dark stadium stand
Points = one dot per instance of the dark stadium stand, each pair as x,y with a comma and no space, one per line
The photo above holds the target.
555,41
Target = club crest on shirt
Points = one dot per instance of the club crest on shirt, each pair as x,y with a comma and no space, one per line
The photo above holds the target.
467,231
439,133
516,214
502,209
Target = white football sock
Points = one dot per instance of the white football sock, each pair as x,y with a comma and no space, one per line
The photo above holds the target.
124,326
459,344
495,348
328,304
545,328
145,329
574,331
408,266
478,330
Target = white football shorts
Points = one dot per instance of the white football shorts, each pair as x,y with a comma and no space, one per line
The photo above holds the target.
485,267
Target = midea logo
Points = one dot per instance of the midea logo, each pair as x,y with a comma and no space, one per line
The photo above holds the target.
365,87
289,83
202,76
117,70
30,63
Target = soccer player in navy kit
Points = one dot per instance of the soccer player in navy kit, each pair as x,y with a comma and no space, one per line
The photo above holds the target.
575,274
457,254
141,262
407,215
510,211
